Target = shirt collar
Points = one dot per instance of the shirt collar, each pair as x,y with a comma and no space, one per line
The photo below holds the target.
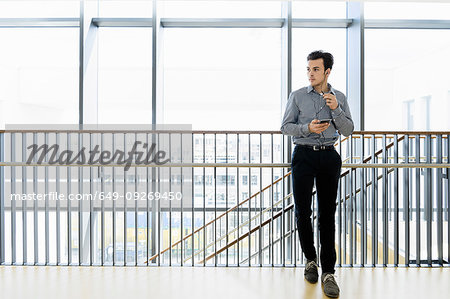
310,88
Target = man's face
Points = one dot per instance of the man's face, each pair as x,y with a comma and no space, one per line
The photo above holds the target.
316,72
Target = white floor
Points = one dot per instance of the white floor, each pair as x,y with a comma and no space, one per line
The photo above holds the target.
199,282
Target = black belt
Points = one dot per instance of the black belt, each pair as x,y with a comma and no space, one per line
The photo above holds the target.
317,147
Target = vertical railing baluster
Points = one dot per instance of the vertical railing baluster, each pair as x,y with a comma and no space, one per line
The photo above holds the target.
69,208
2,199
136,208
260,236
215,202
226,199
374,204
340,208
406,195
80,205
204,201
396,192
58,208
91,207
113,190
351,208
428,197
363,206
193,200
249,202
439,176
181,203
36,207
102,206
47,228
271,205
13,201
24,202
125,209
417,201
384,203
237,201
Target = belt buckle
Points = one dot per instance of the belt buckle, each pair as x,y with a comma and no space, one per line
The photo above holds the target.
316,148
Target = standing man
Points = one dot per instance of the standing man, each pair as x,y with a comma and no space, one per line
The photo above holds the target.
315,116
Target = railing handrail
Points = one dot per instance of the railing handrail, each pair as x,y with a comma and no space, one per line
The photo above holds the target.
237,165
218,132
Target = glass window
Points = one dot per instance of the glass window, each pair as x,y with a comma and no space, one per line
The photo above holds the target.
40,9
125,76
222,79
221,9
128,8
319,9
39,76
406,10
305,41
404,66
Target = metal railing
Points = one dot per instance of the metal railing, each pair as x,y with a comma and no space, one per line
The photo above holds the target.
237,206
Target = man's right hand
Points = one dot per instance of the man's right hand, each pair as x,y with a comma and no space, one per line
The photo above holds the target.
316,127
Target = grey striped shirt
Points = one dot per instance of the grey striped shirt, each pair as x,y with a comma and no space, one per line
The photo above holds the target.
304,105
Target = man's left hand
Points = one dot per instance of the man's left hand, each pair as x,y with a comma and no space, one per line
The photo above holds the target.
331,100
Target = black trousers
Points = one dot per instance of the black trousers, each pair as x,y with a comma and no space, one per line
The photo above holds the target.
325,167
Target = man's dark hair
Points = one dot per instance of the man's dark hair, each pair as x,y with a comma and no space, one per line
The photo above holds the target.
328,59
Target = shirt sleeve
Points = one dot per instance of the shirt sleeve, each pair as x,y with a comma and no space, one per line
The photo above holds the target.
343,119
289,124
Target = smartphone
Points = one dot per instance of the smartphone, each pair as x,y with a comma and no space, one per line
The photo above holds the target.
327,120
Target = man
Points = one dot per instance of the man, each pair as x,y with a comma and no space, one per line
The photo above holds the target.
314,157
